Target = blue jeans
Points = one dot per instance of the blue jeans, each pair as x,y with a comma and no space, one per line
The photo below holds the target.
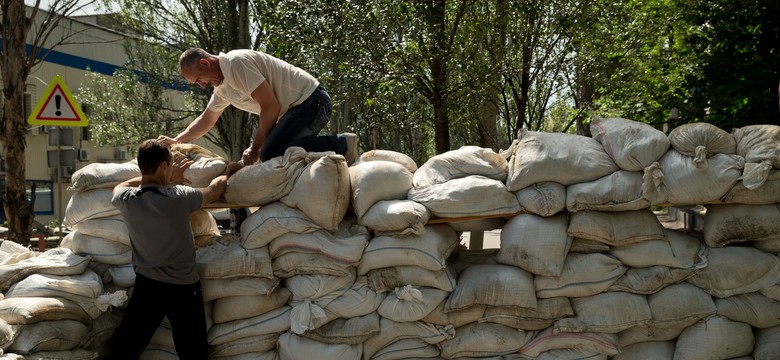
300,125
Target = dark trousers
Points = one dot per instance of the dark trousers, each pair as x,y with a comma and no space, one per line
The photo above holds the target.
153,300
299,127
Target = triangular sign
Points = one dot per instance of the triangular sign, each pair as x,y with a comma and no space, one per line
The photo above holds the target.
57,107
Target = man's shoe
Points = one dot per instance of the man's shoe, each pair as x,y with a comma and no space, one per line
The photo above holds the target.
352,147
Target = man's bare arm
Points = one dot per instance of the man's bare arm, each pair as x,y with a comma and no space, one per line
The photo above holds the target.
196,129
214,191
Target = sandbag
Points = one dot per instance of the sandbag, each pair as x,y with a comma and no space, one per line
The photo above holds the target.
550,340
101,250
454,164
396,217
493,285
647,333
225,258
263,344
266,182
545,198
536,244
727,273
609,312
89,205
56,335
292,347
767,343
545,314
753,308
702,140
669,312
619,191
274,321
12,252
428,251
57,261
582,275
388,155
243,307
202,223
359,300
473,195
727,224
345,245
675,179
678,250
219,288
272,221
289,264
650,280
616,228
375,181
651,350
631,144
206,165
483,340
538,157
716,338
111,228
766,193
455,318
391,331
30,310
757,143
387,279
322,190
410,304
351,331
408,349
103,175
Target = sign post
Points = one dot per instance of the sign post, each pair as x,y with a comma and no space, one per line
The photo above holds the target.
57,107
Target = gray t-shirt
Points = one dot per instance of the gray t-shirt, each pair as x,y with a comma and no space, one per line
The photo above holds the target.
160,233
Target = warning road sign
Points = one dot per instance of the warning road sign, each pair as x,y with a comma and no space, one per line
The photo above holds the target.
57,107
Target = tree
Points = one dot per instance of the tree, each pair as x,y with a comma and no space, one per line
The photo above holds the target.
17,58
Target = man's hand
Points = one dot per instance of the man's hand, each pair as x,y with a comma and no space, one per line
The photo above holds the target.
215,189
167,140
180,164
250,156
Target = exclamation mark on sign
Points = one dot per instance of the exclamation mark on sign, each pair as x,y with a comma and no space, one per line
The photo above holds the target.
57,99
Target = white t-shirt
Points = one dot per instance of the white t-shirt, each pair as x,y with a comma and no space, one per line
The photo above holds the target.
245,70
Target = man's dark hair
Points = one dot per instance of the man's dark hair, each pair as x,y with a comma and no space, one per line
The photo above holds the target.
190,57
152,153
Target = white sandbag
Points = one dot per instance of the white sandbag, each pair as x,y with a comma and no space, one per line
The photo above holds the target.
202,223
546,313
753,308
456,318
650,280
610,313
702,140
311,294
728,272
767,343
274,321
7,334
57,261
89,205
387,279
616,228
266,182
322,190
772,292
12,252
205,166
582,275
396,217
429,250
716,338
272,221
391,331
56,335
263,344
29,310
103,175
669,312
99,249
218,288
766,193
563,158
122,275
571,354
483,340
290,264
675,179
352,331
651,350
244,307
344,244
408,349
536,244
727,224
359,300
647,333
374,181
678,250
619,191
473,195
410,304
757,143
631,144
545,198
101,331
388,155
225,258
549,340
294,347
454,164
111,228
493,285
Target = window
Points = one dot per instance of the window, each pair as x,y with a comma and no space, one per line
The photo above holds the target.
44,196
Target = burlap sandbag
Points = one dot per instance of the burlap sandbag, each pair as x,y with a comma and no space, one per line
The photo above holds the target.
546,313
352,331
359,300
678,250
57,261
454,164
669,312
218,288
715,338
226,258
757,143
89,205
727,224
396,217
99,249
582,275
563,158
291,263
610,313
205,166
391,331
30,310
651,350
408,349
728,272
650,280
702,140
767,343
387,279
631,144
428,251
293,347
274,321
243,307
493,285
261,347
484,340
545,198
534,243
272,221
321,191
753,308
111,228
345,245
388,155
456,318
266,182
374,181
411,304
616,228
473,195
767,193
103,175
619,191
549,340
55,335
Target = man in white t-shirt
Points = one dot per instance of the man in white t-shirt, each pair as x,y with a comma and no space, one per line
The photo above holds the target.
292,105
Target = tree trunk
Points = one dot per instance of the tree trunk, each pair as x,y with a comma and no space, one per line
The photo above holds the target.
15,71
438,66
488,130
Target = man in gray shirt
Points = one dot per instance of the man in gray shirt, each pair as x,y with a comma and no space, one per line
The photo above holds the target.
157,212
